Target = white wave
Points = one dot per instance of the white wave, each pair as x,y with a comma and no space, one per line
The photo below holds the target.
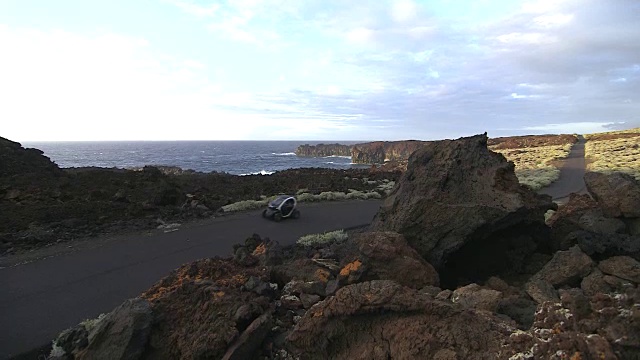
284,154
261,172
338,156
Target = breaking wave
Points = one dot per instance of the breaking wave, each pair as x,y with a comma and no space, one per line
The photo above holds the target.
261,172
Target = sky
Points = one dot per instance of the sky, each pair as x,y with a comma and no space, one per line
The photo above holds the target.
316,69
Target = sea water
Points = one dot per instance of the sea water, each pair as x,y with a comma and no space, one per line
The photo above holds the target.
234,157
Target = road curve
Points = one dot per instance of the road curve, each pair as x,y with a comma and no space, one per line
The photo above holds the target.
42,298
571,178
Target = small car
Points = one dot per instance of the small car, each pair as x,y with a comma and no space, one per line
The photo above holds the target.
282,207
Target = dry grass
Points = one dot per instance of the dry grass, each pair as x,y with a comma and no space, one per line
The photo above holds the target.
535,166
610,133
614,155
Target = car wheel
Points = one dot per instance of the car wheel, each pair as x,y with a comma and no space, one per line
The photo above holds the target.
277,217
296,214
264,213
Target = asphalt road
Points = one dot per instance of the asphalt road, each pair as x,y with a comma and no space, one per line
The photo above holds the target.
42,298
571,174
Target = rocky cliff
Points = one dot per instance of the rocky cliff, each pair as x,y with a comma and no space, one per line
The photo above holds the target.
322,150
380,152
426,290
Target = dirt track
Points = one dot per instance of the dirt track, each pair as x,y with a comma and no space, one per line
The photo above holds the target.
42,298
571,174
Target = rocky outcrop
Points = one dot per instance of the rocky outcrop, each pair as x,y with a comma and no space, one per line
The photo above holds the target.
381,320
322,150
618,194
16,160
120,335
603,227
459,204
386,252
380,152
566,268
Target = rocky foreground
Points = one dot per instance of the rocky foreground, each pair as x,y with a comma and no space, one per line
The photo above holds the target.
458,264
48,204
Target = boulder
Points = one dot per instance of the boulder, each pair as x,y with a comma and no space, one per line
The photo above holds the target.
390,257
476,297
618,194
601,246
541,291
567,219
250,339
566,268
594,221
518,308
623,267
121,334
594,283
462,208
381,319
308,300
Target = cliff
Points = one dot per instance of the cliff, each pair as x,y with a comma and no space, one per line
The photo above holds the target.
321,150
379,152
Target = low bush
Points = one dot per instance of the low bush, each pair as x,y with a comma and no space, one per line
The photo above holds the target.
337,236
614,155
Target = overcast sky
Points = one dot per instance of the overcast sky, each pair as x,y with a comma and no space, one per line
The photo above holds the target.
318,69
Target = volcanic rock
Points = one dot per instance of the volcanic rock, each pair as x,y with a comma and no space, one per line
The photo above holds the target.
566,267
623,267
187,309
474,296
541,291
250,339
618,194
594,283
121,334
381,319
462,208
603,246
322,150
567,220
390,257
379,152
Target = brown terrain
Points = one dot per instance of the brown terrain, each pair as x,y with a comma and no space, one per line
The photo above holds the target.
459,263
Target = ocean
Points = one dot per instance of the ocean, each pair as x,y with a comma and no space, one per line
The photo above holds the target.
233,157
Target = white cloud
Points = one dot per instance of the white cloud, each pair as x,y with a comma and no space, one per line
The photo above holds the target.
403,10
360,35
531,38
553,20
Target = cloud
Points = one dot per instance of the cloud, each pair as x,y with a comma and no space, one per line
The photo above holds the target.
345,68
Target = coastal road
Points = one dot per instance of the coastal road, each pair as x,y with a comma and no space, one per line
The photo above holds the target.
571,174
41,298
